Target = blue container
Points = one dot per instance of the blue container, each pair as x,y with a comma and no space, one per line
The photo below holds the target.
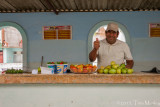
53,66
59,68
65,68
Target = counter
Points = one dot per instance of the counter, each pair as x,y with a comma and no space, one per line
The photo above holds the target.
136,77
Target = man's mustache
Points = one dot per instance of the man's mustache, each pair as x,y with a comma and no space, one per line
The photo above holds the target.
111,36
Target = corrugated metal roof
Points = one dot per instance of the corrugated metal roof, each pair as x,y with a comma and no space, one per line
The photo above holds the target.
12,6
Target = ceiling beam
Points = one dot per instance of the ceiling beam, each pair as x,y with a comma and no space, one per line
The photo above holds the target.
51,6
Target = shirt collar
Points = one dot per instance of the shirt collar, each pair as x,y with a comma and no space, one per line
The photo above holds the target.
105,41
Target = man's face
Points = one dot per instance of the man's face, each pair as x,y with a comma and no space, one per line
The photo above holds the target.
111,36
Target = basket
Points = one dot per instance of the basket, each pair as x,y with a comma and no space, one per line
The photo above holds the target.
83,70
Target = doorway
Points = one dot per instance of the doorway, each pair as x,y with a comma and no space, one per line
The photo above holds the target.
11,56
11,50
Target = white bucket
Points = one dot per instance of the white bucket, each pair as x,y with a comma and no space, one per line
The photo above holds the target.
45,70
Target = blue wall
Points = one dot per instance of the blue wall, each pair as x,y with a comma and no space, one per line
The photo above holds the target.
8,54
75,50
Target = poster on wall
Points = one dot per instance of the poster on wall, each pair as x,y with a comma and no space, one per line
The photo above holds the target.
57,32
154,30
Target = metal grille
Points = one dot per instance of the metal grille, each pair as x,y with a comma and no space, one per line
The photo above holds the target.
56,6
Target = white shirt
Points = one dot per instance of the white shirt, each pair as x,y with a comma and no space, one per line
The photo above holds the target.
118,52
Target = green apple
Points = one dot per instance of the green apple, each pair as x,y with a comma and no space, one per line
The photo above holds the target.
100,71
123,65
106,71
112,63
102,67
108,67
124,71
118,71
120,67
129,71
112,71
115,66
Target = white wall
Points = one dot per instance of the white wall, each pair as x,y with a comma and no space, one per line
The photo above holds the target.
80,95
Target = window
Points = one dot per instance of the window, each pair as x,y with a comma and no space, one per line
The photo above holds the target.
57,32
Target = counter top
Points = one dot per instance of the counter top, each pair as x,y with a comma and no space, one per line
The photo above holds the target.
136,77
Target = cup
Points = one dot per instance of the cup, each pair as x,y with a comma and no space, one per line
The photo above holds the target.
65,68
59,68
53,66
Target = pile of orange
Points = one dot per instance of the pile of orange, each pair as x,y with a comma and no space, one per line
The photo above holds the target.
88,68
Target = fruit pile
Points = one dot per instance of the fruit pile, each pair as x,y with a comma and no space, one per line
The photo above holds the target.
84,69
114,69
14,71
60,62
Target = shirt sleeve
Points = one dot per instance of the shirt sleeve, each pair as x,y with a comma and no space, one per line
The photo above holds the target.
127,53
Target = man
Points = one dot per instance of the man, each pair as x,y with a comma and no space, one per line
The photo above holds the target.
111,49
